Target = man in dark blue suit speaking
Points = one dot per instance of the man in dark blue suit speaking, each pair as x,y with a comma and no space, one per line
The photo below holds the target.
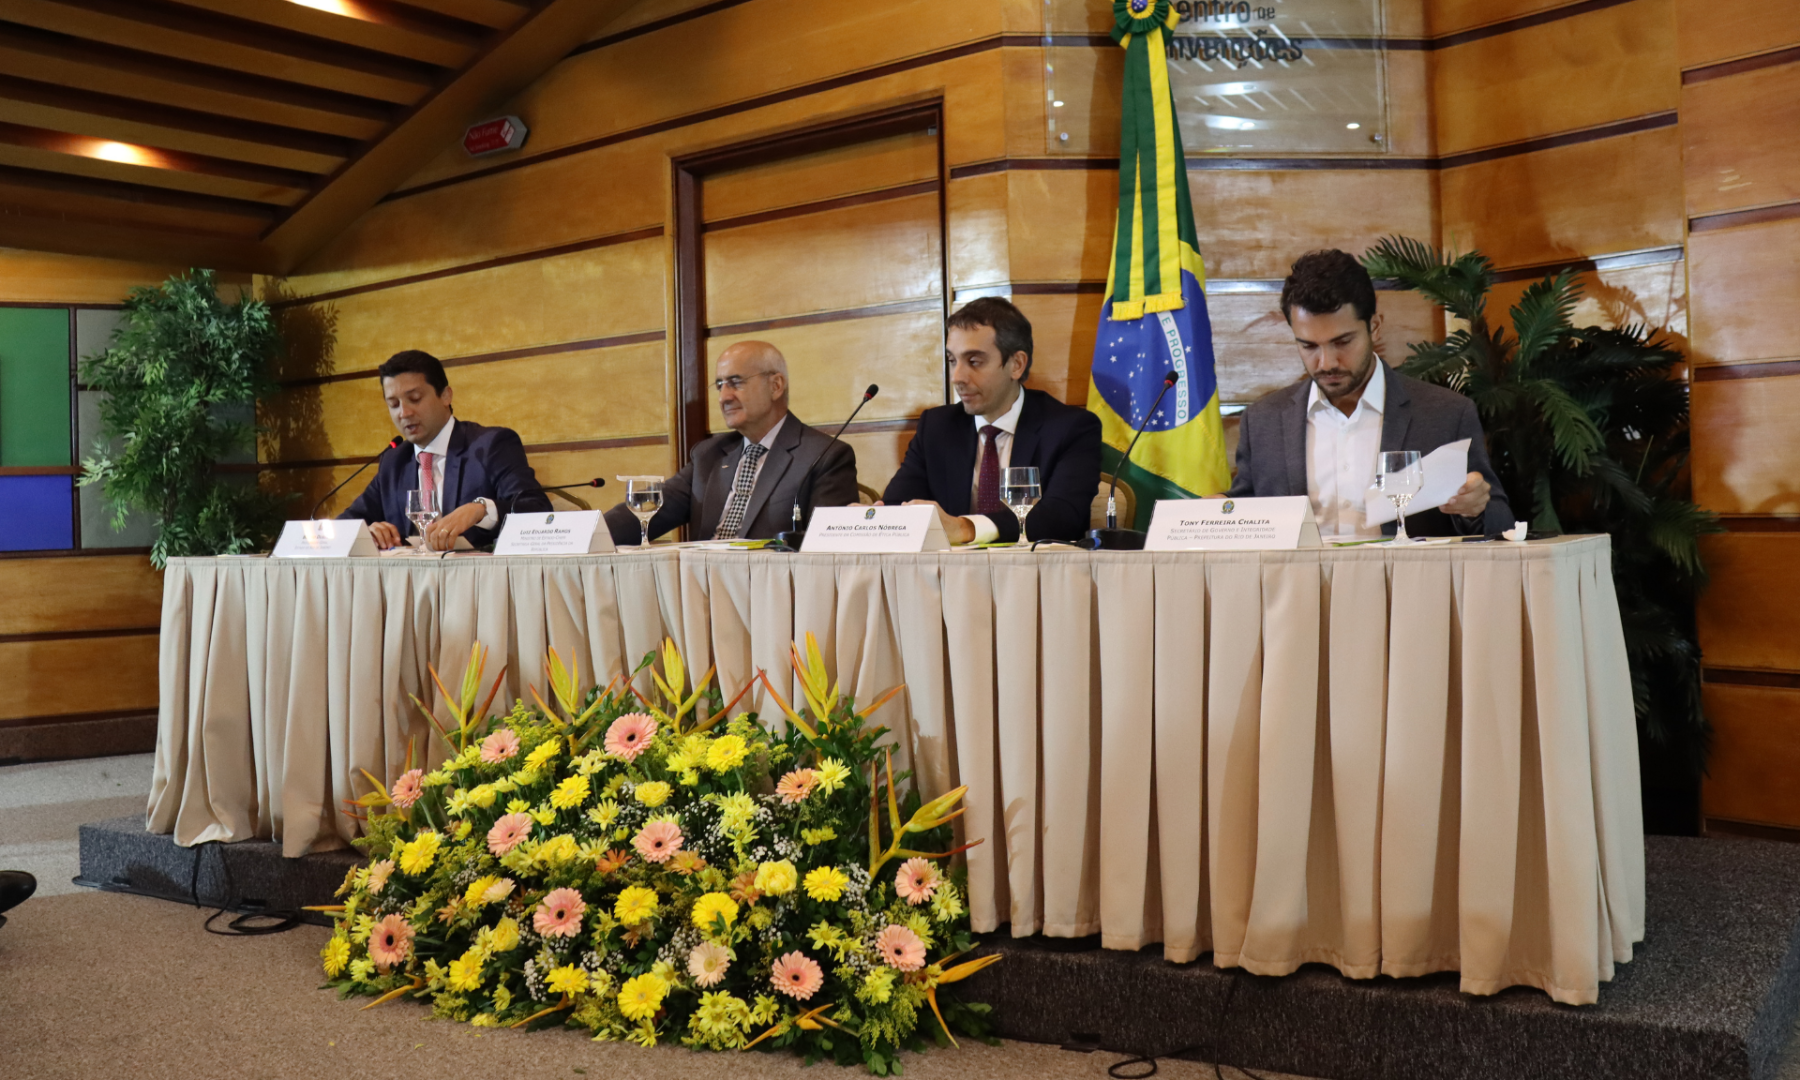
480,473
957,457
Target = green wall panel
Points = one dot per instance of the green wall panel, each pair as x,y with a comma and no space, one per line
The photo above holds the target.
34,386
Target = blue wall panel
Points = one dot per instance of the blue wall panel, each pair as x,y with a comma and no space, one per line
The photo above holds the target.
39,513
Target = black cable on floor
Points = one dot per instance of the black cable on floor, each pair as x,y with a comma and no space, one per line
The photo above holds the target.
1113,1070
241,925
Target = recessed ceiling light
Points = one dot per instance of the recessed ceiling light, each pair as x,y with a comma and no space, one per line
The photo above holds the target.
121,152
1353,127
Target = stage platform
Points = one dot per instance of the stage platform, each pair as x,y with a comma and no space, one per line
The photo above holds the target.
1712,994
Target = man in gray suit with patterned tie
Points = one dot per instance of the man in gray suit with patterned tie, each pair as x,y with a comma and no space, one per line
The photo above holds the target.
743,484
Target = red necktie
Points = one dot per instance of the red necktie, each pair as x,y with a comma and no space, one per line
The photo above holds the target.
987,483
427,476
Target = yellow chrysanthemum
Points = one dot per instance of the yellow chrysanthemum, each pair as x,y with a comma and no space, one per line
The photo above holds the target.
463,828
832,774
727,752
544,815
336,954
713,907
517,806
567,979
417,855
878,986
570,793
737,814
363,970
559,849
504,937
540,757
654,793
639,998
476,894
690,777
635,904
465,972
826,883
484,796
815,837
604,813
777,878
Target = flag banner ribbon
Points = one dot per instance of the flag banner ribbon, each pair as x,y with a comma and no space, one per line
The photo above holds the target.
1154,320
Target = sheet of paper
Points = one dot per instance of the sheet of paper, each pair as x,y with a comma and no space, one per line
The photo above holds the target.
1445,470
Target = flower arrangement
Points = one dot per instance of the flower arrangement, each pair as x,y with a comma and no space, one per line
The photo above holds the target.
627,867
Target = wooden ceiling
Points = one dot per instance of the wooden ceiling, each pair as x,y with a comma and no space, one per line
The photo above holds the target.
244,134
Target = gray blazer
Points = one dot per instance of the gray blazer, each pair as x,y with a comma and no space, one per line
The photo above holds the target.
1271,450
696,495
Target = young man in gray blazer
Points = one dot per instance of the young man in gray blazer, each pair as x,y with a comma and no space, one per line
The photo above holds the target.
743,484
1319,437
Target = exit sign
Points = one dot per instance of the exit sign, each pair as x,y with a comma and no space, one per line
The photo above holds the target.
493,136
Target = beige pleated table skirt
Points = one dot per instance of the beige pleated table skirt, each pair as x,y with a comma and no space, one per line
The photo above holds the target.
1390,760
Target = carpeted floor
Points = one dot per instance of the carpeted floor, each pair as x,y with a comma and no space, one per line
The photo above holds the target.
100,985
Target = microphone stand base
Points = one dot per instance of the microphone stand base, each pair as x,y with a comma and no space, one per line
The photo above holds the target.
792,538
1115,540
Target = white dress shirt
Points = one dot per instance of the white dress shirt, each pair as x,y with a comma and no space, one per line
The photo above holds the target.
986,532
438,447
1340,457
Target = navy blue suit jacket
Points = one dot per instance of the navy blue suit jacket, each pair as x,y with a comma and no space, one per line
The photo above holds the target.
1061,440
481,462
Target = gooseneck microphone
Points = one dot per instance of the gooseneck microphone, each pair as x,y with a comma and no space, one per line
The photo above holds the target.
393,442
596,482
803,494
1112,537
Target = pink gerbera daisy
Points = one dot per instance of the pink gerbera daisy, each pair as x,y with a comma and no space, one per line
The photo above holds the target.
797,976
629,735
408,788
917,880
508,832
797,785
560,914
658,840
390,941
499,746
901,948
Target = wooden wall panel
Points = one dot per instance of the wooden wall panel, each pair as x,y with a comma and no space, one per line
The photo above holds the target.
1755,754
1744,286
1063,328
559,397
1255,224
584,296
830,364
1745,445
878,455
1711,31
108,592
96,675
1059,223
1454,16
1653,296
849,170
1571,202
1733,155
978,235
35,277
825,261
1609,64
1749,619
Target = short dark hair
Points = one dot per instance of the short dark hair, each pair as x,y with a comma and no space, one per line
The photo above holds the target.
1323,281
1012,330
422,363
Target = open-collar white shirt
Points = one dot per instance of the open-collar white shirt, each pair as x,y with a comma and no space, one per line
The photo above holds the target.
439,448
1340,457
986,532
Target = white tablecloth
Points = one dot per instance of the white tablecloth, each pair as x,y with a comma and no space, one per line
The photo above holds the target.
1390,760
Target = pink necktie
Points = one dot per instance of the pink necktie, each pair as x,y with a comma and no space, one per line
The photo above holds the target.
427,476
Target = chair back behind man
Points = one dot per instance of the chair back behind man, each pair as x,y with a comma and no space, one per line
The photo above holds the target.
1127,504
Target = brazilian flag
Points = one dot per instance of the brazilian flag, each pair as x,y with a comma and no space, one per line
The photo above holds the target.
1154,321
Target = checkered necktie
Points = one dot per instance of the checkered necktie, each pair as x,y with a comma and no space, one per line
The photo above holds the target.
987,482
733,520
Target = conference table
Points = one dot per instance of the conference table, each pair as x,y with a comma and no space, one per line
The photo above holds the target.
1389,759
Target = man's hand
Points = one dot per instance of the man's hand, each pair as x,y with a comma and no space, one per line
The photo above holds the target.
957,530
441,534
386,536
1471,499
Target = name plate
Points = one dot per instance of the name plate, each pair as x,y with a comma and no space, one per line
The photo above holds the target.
559,532
1281,523
874,529
326,539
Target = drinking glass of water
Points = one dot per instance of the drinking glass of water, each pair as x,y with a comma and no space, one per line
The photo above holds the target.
643,497
1399,474
422,509
1020,491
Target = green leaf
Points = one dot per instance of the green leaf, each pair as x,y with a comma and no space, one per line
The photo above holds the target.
1541,317
1572,431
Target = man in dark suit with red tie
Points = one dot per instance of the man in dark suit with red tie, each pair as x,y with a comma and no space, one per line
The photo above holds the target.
956,457
480,473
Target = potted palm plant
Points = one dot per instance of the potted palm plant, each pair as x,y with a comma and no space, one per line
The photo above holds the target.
1587,428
